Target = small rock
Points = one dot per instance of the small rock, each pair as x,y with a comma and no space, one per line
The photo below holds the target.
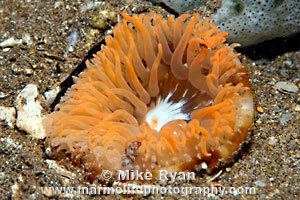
260,183
73,41
10,143
29,112
204,165
228,169
6,49
3,95
295,135
27,39
272,141
21,178
104,19
258,122
90,37
8,114
2,174
57,4
16,69
48,151
15,191
284,119
264,117
297,108
53,165
48,192
28,71
10,42
276,191
287,63
90,5
50,95
286,87
260,109
277,110
212,196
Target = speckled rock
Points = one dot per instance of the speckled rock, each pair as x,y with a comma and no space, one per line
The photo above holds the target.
252,21
248,22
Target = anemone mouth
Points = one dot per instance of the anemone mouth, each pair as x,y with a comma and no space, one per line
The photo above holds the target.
160,94
176,101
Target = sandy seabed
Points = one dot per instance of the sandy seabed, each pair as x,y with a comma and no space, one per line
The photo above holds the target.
269,160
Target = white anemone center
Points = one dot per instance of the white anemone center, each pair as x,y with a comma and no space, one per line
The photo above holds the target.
165,111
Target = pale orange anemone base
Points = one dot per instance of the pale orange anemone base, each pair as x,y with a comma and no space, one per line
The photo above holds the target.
102,119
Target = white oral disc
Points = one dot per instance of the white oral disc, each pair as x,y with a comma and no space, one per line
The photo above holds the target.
166,111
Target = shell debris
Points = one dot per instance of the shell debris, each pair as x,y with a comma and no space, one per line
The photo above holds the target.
29,112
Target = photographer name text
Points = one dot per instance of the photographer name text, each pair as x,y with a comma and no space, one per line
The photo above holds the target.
162,175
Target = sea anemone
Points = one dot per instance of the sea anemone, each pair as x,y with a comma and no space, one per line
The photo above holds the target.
161,94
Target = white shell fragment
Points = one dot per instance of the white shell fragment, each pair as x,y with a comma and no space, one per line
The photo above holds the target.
3,95
50,95
53,165
8,114
10,42
29,117
286,87
27,39
297,108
